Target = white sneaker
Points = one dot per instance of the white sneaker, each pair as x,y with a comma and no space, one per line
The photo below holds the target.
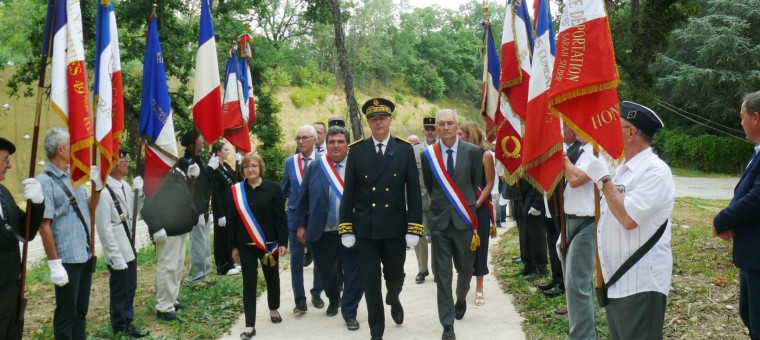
233,271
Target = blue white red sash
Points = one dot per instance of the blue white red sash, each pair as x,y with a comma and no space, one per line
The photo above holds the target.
298,170
433,155
252,225
333,176
487,202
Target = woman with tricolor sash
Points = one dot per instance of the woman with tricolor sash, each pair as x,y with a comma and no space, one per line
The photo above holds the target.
469,132
258,231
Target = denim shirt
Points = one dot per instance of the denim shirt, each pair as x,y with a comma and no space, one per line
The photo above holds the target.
68,232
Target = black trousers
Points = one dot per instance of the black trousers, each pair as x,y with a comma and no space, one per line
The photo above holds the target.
123,284
249,261
329,253
532,241
10,327
72,301
552,235
222,249
391,254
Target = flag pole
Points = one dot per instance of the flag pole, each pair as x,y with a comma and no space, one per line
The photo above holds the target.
94,194
597,209
138,157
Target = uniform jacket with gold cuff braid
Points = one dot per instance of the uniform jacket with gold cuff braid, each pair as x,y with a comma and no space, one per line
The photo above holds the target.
381,195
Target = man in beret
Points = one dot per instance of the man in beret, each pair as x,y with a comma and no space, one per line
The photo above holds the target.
636,207
381,211
740,221
421,249
12,224
200,239
113,218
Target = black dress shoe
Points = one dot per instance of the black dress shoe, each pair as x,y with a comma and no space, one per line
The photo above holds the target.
307,258
276,319
546,286
527,270
166,316
248,335
317,302
300,307
448,333
179,305
459,309
352,324
376,338
332,309
532,275
136,333
554,292
421,277
397,313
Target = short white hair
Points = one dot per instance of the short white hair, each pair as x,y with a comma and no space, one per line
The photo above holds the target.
310,128
54,138
447,111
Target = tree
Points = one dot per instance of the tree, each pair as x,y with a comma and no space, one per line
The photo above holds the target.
712,61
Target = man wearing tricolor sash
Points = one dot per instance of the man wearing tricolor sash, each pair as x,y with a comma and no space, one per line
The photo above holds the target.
295,171
381,211
452,171
317,220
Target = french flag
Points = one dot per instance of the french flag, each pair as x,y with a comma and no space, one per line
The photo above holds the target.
69,93
235,112
109,114
207,99
516,46
156,123
542,151
489,103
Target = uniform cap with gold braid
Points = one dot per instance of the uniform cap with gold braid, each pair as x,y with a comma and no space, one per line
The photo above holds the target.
428,121
378,106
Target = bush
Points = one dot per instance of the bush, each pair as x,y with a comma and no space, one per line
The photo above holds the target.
425,81
707,153
308,95
309,74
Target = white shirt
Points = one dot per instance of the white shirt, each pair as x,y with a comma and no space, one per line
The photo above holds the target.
323,147
445,155
384,141
580,201
649,196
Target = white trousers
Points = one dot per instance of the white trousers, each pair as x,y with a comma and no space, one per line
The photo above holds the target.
169,263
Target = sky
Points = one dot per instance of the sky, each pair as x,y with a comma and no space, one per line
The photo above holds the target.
454,4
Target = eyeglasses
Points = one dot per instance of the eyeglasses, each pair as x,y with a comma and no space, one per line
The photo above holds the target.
7,160
303,138
250,167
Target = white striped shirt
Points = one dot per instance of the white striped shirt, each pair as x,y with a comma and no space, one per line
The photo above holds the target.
649,196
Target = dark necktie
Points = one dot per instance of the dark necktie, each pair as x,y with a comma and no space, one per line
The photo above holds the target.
305,164
380,149
319,149
450,162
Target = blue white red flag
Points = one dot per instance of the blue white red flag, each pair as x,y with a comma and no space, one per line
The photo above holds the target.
489,100
516,46
69,92
109,110
156,123
542,147
234,111
207,98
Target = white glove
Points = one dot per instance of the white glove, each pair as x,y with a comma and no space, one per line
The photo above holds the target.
160,236
222,221
534,212
348,240
120,265
57,273
238,158
138,184
596,170
33,190
193,171
411,240
213,162
95,177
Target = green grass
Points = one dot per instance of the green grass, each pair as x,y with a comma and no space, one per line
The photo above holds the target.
683,172
309,95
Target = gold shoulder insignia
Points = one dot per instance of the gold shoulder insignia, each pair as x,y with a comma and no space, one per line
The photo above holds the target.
404,140
356,142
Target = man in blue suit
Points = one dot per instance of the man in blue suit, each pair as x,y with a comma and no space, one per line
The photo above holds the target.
295,170
740,221
317,220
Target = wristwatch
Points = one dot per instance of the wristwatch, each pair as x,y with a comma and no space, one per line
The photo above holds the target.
600,184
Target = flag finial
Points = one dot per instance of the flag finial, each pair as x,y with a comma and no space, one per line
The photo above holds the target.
486,14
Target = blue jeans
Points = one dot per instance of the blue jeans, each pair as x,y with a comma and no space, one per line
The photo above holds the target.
749,300
296,270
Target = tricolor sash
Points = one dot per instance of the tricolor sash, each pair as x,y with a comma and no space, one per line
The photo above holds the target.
252,225
488,203
298,170
333,176
433,155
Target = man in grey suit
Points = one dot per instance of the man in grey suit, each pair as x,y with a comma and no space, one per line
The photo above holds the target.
452,235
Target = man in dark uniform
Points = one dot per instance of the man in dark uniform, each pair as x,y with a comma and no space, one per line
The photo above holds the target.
12,223
381,183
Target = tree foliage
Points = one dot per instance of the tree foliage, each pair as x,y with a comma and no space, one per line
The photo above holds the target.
713,61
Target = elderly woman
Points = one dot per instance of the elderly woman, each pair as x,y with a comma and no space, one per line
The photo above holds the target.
469,132
258,231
